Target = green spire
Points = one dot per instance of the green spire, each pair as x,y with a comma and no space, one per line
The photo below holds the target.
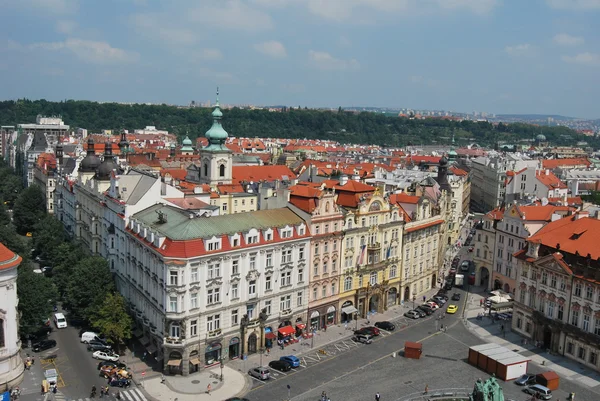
216,135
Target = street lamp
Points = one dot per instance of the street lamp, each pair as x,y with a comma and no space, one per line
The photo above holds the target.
262,351
221,360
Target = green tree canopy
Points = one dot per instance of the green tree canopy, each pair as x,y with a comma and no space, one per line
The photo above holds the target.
65,259
37,296
29,209
48,235
14,242
112,320
88,284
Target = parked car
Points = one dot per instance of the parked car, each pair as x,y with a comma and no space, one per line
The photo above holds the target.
456,296
43,345
362,338
525,380
464,266
426,309
88,336
292,360
413,314
439,300
260,373
544,393
282,366
98,346
432,305
370,330
385,326
112,364
105,356
448,286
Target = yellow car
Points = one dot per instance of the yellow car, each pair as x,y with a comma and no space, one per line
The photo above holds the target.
452,309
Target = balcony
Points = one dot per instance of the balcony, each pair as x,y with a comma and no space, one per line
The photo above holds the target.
375,246
285,313
174,342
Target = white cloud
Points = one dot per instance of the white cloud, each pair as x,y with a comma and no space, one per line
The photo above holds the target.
157,26
586,58
211,54
271,48
564,39
340,10
518,50
325,61
48,6
231,15
574,4
66,26
90,51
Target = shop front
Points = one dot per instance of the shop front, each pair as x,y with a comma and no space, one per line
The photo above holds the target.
234,348
270,337
174,363
392,296
330,315
194,362
212,354
348,310
314,320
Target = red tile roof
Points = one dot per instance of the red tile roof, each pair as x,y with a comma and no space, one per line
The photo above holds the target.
542,213
176,173
550,180
426,225
458,171
496,214
8,258
187,203
554,163
572,234
262,173
404,198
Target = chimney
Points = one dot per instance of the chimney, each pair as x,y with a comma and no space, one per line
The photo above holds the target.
343,179
547,172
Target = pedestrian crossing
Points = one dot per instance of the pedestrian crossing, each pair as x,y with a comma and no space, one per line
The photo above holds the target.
133,394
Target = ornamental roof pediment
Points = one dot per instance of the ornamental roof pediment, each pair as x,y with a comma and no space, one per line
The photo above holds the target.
554,264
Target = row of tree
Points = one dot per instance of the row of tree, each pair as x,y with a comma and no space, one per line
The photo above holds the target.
82,283
344,127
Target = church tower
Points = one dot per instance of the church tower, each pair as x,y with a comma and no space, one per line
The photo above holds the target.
216,159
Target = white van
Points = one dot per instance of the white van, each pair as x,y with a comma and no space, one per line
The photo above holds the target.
88,336
60,321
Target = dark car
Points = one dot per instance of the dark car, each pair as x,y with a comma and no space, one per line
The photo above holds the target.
43,345
421,312
98,346
456,296
112,364
448,286
385,326
425,309
370,330
119,382
282,366
525,380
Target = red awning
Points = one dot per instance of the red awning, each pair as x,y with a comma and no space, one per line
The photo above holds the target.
270,335
300,326
287,331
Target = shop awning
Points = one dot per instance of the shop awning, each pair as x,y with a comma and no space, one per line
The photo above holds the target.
287,331
270,336
138,332
174,362
300,326
348,310
144,340
502,306
195,361
151,349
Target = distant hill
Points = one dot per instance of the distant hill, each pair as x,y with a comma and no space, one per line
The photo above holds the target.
533,117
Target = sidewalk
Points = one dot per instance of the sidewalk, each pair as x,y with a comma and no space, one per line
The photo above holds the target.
491,333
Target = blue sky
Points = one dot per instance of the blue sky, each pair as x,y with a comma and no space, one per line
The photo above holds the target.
499,56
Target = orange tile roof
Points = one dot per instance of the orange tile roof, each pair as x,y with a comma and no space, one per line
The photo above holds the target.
496,214
550,180
187,203
554,163
230,189
542,213
262,173
404,198
572,234
427,225
8,258
458,171
354,186
176,173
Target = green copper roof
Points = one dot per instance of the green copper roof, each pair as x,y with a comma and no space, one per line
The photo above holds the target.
216,135
187,145
179,226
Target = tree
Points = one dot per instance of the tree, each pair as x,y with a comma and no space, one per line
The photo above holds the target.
29,209
65,258
4,216
112,320
11,240
88,284
48,235
37,297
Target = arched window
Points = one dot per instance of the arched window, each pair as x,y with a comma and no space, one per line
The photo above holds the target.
327,207
373,278
174,329
205,169
222,170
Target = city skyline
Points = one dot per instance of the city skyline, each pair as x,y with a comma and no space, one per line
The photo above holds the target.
503,57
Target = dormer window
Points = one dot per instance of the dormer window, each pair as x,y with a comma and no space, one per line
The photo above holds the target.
213,245
252,239
301,231
286,233
235,242
269,235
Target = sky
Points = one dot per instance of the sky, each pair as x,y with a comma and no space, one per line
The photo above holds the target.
495,56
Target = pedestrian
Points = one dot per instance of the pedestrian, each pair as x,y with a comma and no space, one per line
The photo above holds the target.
144,357
325,327
377,397
426,389
208,388
481,302
101,391
268,351
54,389
106,391
118,395
162,379
424,298
42,391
